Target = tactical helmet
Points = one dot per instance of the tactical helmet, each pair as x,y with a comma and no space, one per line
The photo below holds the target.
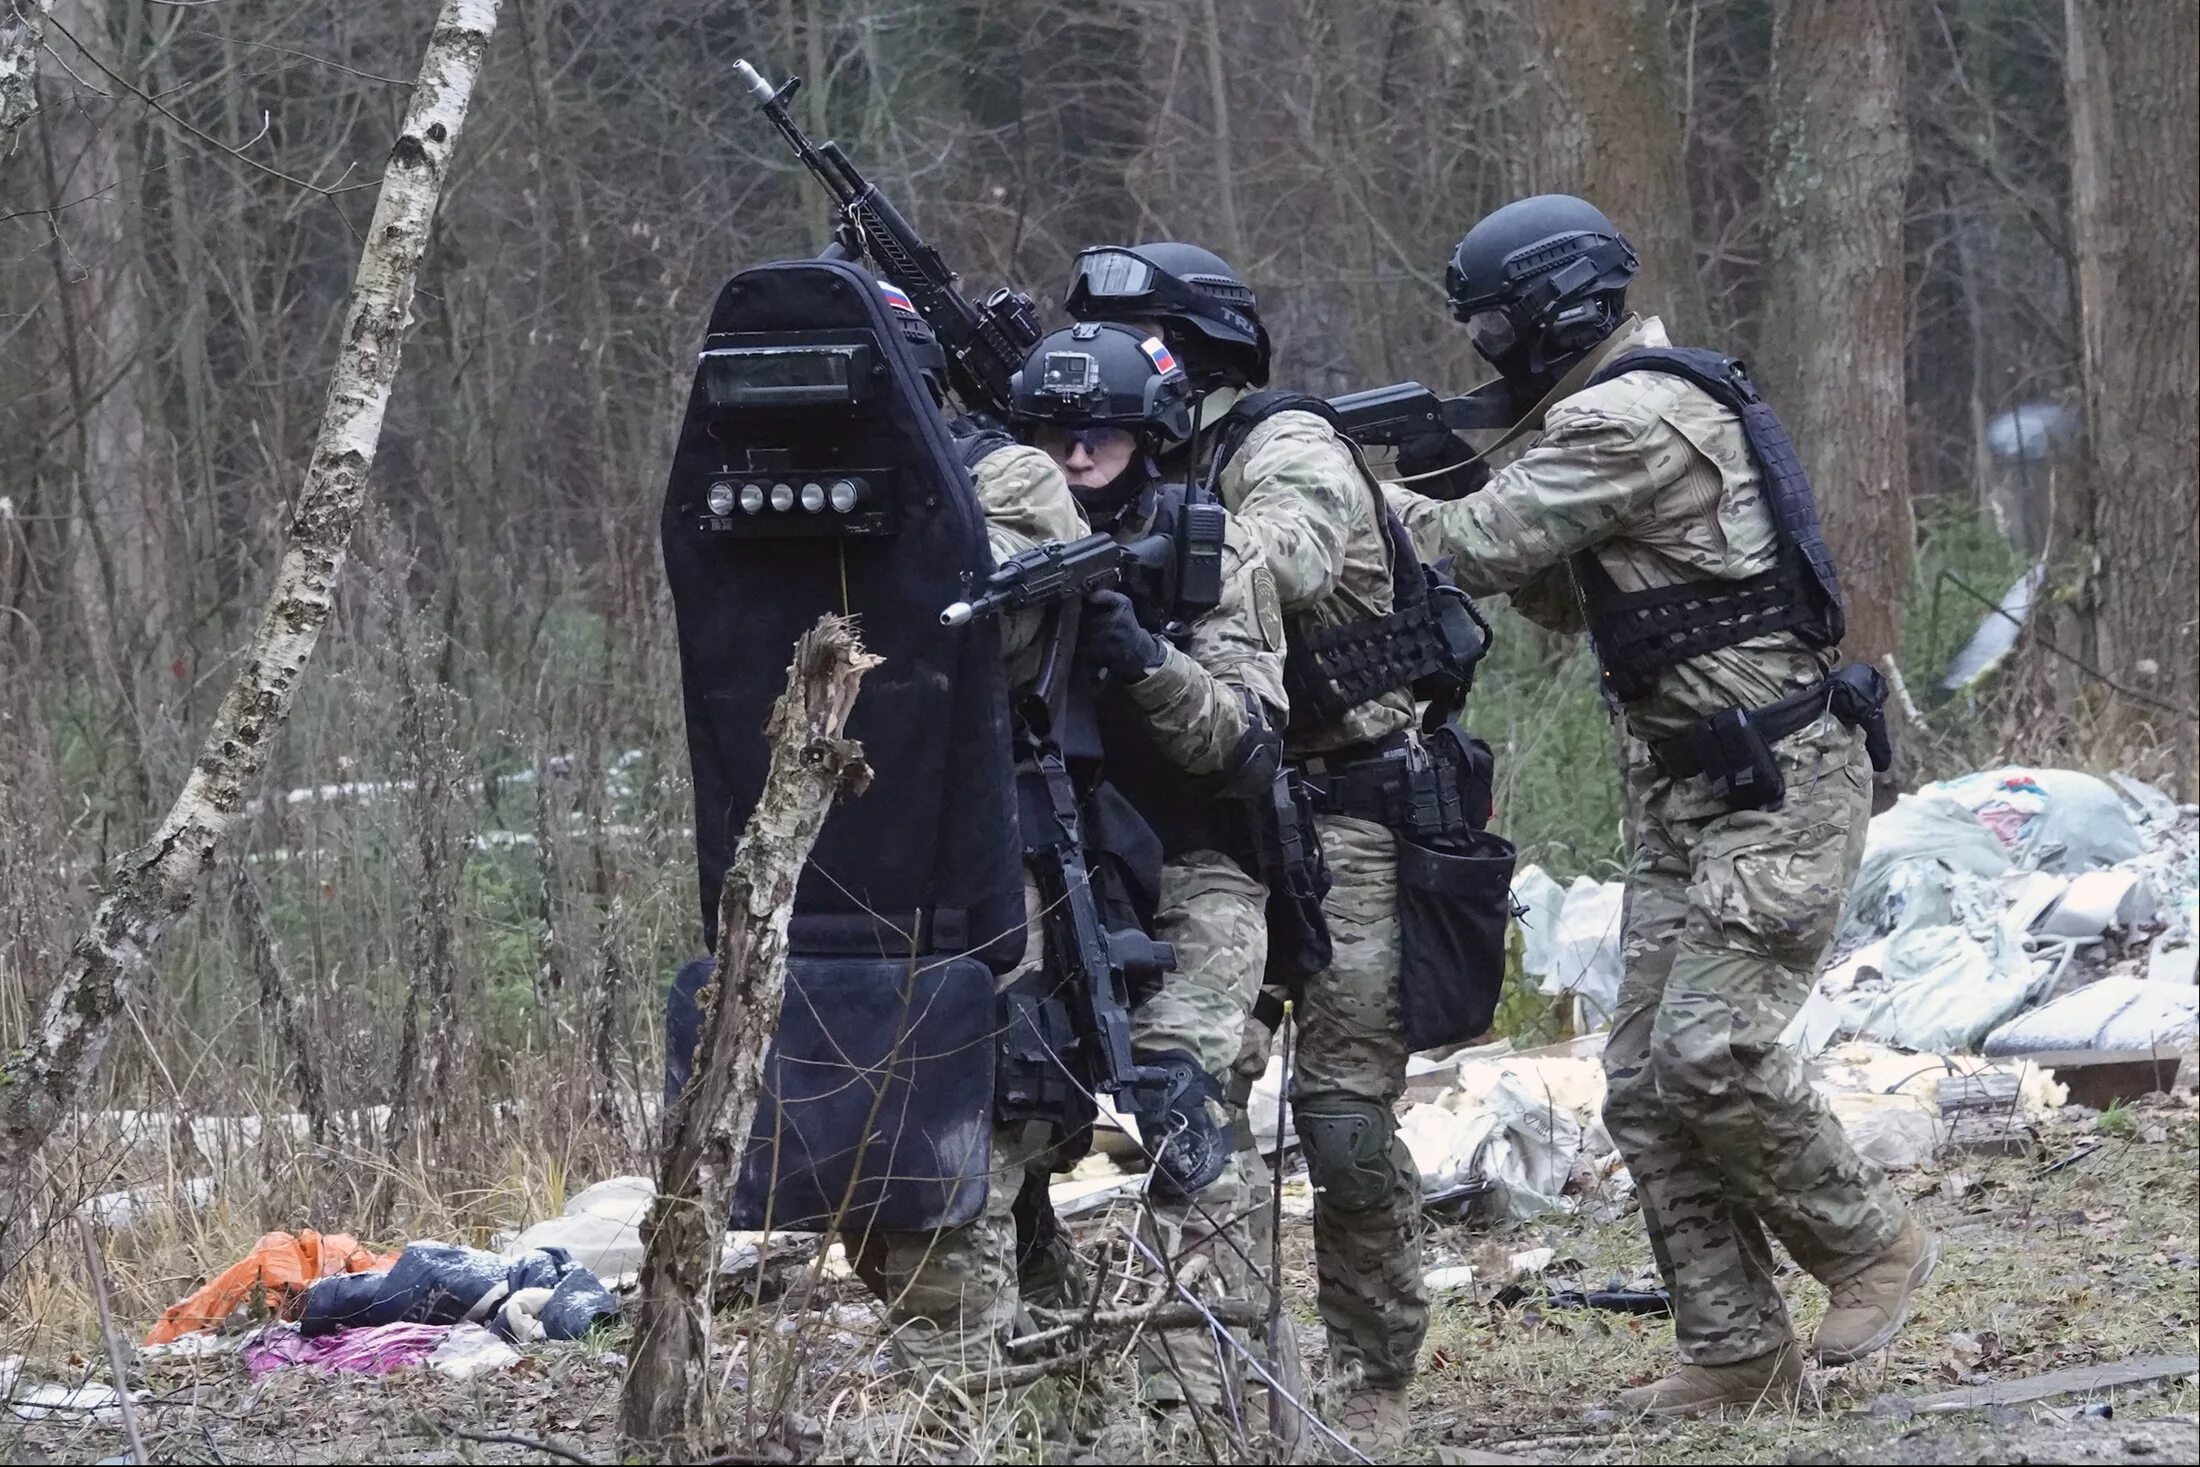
1191,291
1102,374
923,345
1538,283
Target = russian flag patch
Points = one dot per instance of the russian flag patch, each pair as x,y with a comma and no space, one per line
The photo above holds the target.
1158,353
897,298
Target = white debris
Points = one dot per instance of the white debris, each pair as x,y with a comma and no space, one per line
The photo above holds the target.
2178,964
2114,1013
601,1228
1541,901
1585,948
123,1208
1531,1260
470,1350
1894,1132
35,1402
2050,819
2097,901
1448,1280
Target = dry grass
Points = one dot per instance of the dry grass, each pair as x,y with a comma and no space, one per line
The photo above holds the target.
2092,1263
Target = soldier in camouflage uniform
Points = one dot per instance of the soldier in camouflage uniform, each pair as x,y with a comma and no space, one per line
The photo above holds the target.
1303,497
1210,699
1204,700
1638,480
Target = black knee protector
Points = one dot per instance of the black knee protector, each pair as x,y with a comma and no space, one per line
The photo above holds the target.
1176,1123
1348,1143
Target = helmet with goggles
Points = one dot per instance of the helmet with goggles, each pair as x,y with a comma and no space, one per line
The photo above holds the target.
1207,312
1538,283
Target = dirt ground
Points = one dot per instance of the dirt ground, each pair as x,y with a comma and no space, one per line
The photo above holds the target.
2094,1261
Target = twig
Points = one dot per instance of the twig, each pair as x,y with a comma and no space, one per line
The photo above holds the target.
114,1342
514,1439
2070,657
1258,1368
1162,1314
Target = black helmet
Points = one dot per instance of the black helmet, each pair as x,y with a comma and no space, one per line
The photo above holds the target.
1192,291
1101,374
1538,283
923,345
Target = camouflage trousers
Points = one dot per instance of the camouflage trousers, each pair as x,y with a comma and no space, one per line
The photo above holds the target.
1217,1240
1727,917
955,1296
1348,1070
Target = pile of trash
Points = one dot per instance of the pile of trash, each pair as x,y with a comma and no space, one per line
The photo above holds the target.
2008,913
340,1306
2019,911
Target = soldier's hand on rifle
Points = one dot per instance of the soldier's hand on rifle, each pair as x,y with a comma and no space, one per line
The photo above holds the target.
1440,466
1110,637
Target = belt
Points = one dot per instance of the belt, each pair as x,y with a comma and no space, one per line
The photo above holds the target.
1853,694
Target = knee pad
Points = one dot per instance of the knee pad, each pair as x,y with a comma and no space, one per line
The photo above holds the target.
1347,1141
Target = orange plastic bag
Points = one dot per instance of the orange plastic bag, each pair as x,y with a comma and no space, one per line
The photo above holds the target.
281,1265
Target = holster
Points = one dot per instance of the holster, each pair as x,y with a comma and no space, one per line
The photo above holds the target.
1733,747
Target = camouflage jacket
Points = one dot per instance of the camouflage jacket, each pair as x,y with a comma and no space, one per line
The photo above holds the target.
1191,700
1652,477
1310,505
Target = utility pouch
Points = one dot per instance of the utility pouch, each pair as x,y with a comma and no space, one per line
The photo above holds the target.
1032,1075
1454,899
1859,700
1473,770
1743,771
1297,876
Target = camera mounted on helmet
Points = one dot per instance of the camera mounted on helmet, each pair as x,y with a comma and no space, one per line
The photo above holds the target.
1207,314
1097,381
1538,283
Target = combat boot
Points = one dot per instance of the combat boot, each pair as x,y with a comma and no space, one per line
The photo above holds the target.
1771,1378
1374,1419
1867,1311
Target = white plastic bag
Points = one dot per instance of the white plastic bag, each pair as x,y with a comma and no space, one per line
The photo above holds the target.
1543,900
1945,992
1930,827
2114,1013
1585,955
2051,819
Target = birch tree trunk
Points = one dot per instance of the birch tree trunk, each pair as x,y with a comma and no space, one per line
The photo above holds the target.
1836,321
665,1411
1609,129
2133,157
19,38
149,888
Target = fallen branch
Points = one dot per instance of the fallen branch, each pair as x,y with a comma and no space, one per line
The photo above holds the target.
150,888
514,1439
665,1408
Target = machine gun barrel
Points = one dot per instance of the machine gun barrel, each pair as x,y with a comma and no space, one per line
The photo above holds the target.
1387,416
1045,575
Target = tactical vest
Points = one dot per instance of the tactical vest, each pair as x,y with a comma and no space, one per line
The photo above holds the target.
1181,807
1426,644
1639,634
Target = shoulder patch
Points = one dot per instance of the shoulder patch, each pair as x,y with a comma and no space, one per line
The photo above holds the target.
1268,608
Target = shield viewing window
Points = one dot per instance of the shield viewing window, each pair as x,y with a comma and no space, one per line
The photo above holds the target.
786,376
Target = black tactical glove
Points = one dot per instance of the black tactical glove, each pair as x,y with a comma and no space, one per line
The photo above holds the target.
1175,1123
1440,466
1112,638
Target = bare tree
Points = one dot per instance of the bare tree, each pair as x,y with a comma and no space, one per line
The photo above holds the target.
1609,128
1832,345
2132,559
19,39
150,888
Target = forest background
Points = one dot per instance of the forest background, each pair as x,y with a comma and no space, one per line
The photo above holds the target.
1955,238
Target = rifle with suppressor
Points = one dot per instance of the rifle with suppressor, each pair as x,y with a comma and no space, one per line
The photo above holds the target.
984,343
1387,416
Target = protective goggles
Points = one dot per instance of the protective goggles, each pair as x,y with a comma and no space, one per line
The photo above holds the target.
1112,281
1095,439
1492,332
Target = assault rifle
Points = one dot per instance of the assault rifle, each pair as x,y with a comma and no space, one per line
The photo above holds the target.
1387,416
1055,572
984,343
1095,965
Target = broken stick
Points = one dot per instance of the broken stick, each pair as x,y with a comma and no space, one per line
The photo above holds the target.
665,1409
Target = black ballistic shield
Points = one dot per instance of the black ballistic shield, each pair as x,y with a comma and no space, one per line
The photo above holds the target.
814,474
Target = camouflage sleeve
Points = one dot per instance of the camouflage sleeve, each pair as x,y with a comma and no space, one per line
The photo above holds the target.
1027,502
1549,599
1296,487
1192,700
1591,470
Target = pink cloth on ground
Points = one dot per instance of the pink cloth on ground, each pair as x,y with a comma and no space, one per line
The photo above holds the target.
374,1349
